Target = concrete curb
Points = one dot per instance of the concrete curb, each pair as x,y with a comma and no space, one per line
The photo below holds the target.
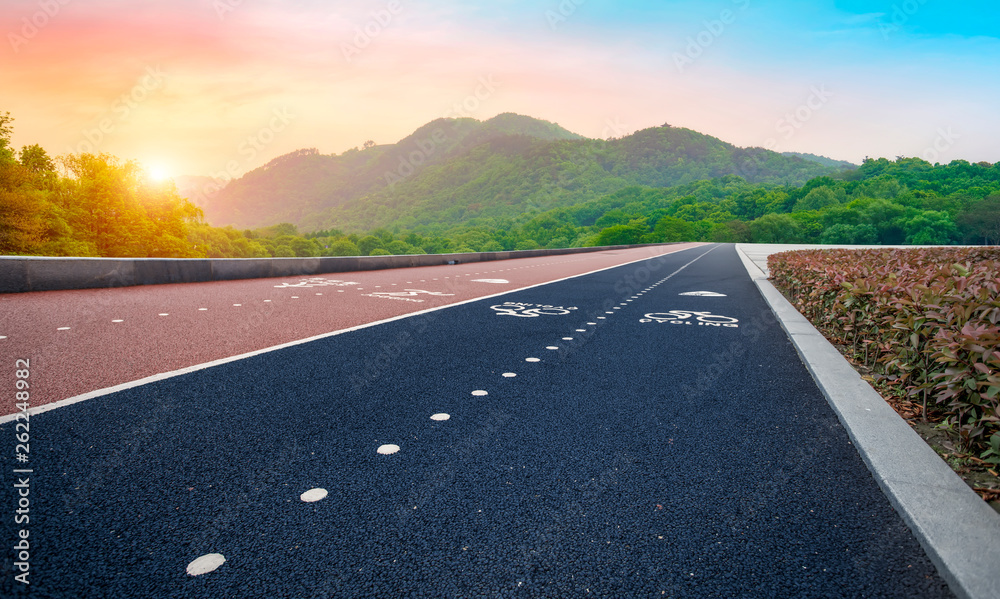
41,273
957,529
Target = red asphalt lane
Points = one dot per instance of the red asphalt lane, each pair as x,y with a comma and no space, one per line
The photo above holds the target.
80,341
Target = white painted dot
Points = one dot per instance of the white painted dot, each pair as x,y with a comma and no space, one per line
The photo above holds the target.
313,495
532,360
63,329
553,347
479,393
440,417
388,449
506,375
118,320
164,314
205,564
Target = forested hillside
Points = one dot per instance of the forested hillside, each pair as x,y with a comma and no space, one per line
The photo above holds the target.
463,171
99,205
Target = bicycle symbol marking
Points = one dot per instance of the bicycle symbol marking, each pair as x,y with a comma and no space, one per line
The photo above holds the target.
316,282
530,310
406,295
684,317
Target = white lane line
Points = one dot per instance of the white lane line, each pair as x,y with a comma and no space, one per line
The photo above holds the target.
63,329
237,305
479,393
509,375
440,417
205,564
206,309
205,365
313,495
164,314
388,449
118,320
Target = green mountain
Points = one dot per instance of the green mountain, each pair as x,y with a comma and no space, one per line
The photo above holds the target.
466,171
831,162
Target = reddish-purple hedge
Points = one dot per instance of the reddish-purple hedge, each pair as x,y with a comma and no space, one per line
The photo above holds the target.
925,319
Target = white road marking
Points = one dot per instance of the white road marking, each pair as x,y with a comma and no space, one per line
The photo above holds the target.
40,409
495,281
388,449
479,393
313,495
164,314
552,347
205,564
63,329
440,417
118,320
509,375
532,360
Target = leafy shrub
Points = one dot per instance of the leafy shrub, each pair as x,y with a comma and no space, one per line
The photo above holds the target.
926,320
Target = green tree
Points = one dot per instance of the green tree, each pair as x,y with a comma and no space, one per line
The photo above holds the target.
775,228
369,243
342,247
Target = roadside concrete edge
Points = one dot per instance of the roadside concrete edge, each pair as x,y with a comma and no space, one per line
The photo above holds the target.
20,274
957,529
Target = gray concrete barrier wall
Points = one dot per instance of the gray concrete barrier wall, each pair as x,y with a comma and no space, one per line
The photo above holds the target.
19,274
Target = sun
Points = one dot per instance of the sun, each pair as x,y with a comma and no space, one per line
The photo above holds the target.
157,172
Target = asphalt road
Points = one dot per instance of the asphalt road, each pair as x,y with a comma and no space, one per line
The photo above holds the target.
86,340
606,436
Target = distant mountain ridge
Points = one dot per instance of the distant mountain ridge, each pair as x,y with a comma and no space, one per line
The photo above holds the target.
464,170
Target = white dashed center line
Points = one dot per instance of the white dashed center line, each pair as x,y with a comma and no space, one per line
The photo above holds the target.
205,564
313,495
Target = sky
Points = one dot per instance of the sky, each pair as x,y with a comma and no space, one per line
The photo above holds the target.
220,87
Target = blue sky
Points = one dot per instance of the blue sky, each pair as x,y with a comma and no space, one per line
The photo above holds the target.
846,79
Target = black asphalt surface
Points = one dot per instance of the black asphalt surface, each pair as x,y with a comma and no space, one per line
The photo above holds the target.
639,459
